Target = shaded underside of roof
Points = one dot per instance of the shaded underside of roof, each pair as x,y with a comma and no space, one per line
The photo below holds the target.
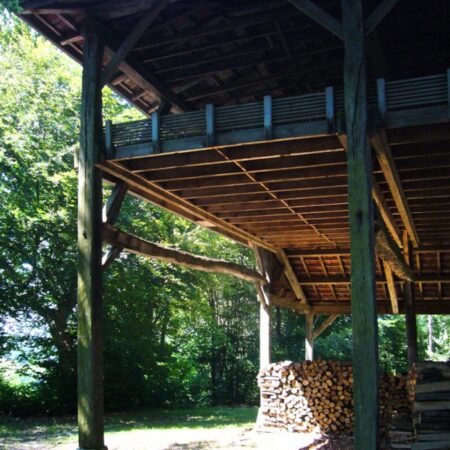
288,194
231,51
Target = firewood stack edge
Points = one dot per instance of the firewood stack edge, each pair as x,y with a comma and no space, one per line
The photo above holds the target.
317,396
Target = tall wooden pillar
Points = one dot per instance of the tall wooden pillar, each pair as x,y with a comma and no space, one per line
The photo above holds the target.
364,319
90,371
410,309
309,341
266,262
265,336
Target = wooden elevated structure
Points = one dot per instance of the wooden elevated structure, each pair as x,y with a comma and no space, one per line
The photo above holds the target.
316,132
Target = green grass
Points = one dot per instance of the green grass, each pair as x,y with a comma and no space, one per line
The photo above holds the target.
52,431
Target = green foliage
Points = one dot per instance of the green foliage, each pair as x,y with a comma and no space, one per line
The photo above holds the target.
172,336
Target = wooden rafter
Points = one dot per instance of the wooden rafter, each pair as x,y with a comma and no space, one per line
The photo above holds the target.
171,202
391,287
320,16
291,276
135,71
385,159
378,14
139,246
132,38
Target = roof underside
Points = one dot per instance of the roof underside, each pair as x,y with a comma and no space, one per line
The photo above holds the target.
233,51
288,194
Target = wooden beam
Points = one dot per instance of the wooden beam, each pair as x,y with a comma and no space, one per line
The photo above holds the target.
136,71
132,38
363,303
171,202
268,267
324,325
390,253
139,246
320,16
410,308
309,339
114,203
291,276
110,257
385,212
344,307
385,159
391,287
378,14
89,311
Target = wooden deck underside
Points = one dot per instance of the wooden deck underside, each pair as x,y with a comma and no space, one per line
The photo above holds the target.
291,193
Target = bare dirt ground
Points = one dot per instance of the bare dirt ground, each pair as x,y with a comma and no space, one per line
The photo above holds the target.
197,439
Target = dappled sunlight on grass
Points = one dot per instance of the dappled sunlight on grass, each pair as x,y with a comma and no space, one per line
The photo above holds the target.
168,426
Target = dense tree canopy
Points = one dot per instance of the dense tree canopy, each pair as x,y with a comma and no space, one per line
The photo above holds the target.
172,336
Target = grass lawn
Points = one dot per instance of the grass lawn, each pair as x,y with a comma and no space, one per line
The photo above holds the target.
180,429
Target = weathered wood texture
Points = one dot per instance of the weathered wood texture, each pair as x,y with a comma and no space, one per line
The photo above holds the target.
270,270
139,246
410,308
364,322
90,377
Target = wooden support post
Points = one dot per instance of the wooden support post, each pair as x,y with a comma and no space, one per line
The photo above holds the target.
309,340
362,249
268,267
410,308
90,376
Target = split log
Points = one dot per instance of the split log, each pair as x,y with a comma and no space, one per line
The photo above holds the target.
139,246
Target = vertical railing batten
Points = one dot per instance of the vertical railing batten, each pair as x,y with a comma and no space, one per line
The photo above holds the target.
268,117
155,132
210,125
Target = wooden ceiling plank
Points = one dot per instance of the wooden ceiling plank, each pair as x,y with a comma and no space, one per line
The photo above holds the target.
182,207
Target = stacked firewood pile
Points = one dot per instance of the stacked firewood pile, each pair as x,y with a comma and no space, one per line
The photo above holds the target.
318,396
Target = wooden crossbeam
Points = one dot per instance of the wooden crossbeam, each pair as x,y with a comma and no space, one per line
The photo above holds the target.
343,307
391,287
378,14
136,71
385,212
378,197
385,159
291,276
139,246
112,254
390,253
320,16
324,325
113,204
132,38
